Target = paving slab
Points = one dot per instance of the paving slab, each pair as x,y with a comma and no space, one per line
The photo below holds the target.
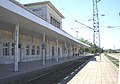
97,72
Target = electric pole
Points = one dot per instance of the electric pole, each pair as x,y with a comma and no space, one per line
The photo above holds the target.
96,35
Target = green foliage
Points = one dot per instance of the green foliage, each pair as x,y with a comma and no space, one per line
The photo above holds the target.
110,51
93,47
85,41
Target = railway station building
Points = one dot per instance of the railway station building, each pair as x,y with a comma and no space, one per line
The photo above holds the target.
33,32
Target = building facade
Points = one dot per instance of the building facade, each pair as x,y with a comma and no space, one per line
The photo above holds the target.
33,32
48,12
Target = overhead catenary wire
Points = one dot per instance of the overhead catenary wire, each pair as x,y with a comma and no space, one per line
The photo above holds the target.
65,9
67,12
105,27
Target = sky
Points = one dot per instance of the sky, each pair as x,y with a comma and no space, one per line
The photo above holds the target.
82,11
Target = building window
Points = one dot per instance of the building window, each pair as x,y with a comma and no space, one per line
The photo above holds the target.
55,22
68,52
53,51
5,49
63,50
58,25
13,48
28,50
58,51
51,20
33,50
38,50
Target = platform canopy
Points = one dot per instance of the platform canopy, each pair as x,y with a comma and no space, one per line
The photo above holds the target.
13,13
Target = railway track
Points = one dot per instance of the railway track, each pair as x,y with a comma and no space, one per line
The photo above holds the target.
56,75
113,60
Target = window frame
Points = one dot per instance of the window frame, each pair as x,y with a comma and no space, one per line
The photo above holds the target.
33,50
6,49
38,50
13,49
27,49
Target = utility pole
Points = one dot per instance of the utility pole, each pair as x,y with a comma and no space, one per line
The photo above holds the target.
96,35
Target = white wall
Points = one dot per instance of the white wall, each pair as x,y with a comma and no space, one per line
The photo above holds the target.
40,10
24,40
45,12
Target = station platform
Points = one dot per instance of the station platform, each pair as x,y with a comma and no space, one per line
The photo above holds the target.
7,70
97,72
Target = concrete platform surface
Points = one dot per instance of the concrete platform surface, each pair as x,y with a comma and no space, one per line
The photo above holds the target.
96,72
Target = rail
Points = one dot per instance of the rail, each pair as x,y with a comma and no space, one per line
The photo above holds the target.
56,75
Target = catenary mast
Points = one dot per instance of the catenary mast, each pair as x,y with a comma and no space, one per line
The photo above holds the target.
96,35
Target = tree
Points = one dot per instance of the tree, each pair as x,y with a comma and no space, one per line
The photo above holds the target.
93,48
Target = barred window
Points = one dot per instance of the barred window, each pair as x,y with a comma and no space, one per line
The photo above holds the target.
13,48
58,51
38,50
53,51
63,50
33,50
54,22
28,50
5,49
51,20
